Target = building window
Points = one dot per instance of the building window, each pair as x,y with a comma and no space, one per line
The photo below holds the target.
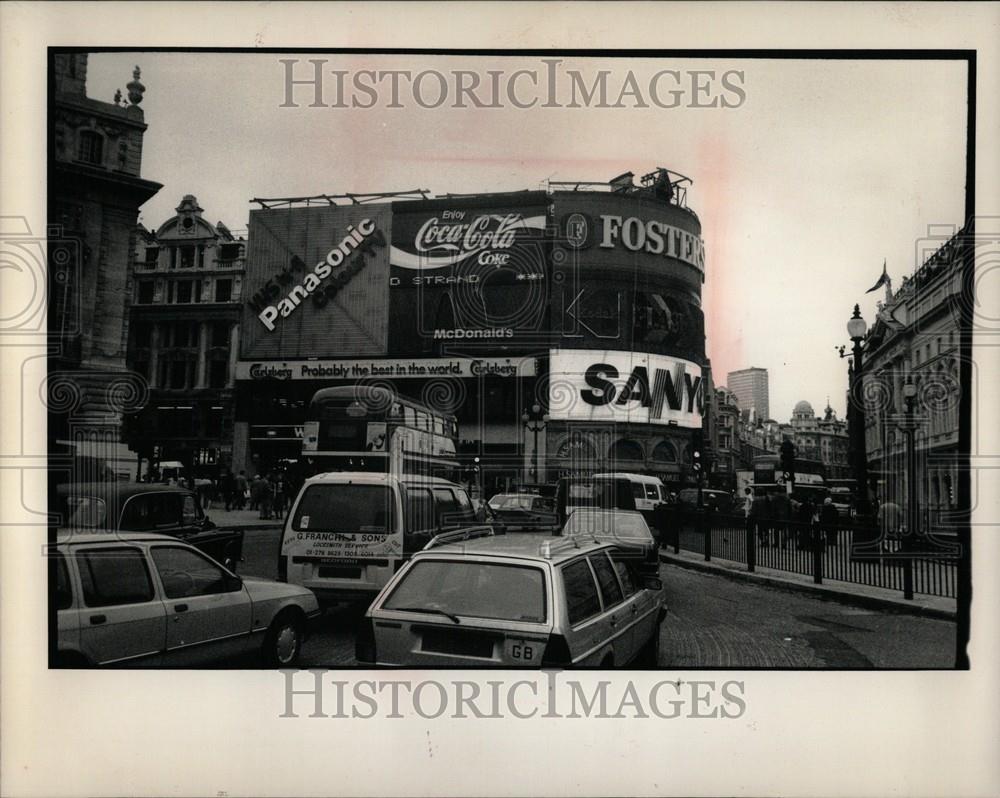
664,452
178,375
220,333
142,334
91,147
173,257
170,291
187,257
223,290
197,290
145,292
218,373
184,291
228,253
152,256
625,449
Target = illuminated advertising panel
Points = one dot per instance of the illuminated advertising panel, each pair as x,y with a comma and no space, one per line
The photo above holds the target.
317,282
468,273
624,387
627,274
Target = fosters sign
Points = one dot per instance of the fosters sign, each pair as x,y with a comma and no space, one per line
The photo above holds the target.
624,387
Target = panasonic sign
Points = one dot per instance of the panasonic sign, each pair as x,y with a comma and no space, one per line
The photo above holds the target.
625,387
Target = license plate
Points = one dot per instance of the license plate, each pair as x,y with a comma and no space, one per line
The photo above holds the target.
523,651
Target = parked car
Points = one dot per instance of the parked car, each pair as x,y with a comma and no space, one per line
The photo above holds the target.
718,501
523,511
141,507
609,492
625,528
480,600
648,492
143,599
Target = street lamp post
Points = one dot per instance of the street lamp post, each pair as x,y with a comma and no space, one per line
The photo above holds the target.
856,329
910,429
535,420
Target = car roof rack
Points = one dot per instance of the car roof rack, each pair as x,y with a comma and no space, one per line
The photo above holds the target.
552,545
469,533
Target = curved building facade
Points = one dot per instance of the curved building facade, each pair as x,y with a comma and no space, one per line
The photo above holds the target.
563,328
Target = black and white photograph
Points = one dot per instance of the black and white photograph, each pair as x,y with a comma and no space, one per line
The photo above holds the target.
408,373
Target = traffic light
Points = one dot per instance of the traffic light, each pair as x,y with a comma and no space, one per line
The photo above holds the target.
788,460
697,443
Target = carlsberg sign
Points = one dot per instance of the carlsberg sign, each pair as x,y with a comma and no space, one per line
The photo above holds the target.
625,387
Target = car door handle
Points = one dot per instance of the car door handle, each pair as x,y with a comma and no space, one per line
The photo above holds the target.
613,620
635,608
180,607
98,619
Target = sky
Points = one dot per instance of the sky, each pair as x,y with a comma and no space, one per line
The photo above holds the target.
823,171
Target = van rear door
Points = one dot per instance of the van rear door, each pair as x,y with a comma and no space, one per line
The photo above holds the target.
343,537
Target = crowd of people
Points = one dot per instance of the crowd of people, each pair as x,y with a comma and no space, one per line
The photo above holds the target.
779,518
269,494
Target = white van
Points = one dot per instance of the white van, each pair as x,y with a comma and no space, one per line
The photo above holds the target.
349,532
648,492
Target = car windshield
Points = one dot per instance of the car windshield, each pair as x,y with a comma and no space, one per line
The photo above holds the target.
609,525
511,502
472,589
345,508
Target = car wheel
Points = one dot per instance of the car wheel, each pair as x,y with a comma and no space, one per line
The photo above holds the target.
283,641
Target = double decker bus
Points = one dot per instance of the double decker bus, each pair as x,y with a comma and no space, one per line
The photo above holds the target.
373,428
809,479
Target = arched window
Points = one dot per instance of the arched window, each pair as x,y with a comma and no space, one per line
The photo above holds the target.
625,449
664,452
90,147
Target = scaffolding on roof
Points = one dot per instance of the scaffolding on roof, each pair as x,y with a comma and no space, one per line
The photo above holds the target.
270,203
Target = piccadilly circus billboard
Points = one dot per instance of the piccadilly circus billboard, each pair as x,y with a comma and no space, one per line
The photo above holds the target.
317,282
468,273
618,386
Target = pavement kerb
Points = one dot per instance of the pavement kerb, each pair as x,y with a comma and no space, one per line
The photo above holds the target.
738,572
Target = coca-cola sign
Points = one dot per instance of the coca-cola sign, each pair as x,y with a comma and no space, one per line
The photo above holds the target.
455,235
478,265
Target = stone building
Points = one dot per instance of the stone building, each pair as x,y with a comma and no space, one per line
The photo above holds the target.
94,194
821,439
184,339
916,337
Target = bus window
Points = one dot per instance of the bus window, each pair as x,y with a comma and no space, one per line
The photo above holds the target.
423,420
409,416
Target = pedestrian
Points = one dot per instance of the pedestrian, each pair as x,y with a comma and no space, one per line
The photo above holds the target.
781,514
889,517
280,495
747,501
829,518
241,490
227,486
760,516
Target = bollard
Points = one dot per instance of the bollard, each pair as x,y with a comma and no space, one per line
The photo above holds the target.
908,578
817,548
751,545
706,529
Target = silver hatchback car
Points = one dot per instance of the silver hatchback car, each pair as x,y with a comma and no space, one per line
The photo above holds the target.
131,599
480,600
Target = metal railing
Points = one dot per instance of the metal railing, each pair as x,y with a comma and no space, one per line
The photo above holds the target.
839,552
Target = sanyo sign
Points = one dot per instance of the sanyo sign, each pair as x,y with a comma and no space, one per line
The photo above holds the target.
625,387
